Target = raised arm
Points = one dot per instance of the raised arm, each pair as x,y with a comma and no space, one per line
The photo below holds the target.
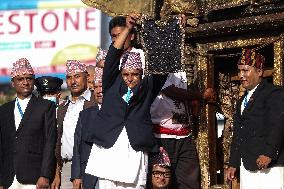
112,61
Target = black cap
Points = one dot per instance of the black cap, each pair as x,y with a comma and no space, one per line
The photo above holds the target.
48,84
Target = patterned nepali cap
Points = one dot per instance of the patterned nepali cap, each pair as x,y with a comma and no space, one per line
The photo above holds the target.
75,66
20,67
162,158
251,58
101,55
131,60
98,75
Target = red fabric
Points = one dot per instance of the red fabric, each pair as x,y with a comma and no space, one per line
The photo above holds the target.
161,130
252,58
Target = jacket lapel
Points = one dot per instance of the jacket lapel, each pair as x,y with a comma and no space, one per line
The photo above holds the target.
27,113
254,96
10,115
137,95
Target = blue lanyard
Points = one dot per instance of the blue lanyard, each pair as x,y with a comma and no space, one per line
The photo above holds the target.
19,108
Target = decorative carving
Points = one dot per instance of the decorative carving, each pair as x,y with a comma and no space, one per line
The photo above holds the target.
123,7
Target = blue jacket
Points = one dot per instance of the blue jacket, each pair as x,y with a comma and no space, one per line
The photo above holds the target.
82,149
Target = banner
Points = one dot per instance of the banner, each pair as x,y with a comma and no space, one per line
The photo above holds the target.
49,37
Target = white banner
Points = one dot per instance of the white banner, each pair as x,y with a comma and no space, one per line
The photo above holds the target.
49,37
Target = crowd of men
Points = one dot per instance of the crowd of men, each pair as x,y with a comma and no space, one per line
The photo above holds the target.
119,128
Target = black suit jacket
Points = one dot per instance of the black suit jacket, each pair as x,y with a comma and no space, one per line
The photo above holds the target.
82,149
28,152
259,130
115,113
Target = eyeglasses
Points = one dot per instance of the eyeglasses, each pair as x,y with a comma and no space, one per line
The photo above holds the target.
161,174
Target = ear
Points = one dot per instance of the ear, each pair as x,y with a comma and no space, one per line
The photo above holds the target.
260,72
12,82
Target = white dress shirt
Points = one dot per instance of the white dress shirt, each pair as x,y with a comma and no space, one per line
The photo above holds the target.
249,94
70,122
164,108
23,104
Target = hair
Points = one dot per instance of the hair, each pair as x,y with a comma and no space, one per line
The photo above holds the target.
118,21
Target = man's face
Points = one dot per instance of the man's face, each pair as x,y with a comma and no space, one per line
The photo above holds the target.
115,33
24,85
160,177
90,81
77,83
131,77
98,92
249,76
91,74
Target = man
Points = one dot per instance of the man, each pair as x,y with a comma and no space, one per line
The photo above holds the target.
49,88
257,146
68,113
91,72
160,170
27,134
170,117
82,149
122,133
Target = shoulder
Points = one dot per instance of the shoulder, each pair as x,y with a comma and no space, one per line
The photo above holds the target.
273,92
43,102
90,110
7,105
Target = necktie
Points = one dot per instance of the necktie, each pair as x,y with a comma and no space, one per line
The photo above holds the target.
246,100
128,95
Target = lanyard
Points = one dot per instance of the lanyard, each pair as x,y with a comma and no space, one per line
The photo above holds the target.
19,108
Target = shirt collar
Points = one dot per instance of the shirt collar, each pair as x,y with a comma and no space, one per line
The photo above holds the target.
250,92
85,95
25,99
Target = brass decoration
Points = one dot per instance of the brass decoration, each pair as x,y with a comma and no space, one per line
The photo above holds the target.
240,43
252,23
189,64
123,7
278,62
202,139
228,95
211,5
181,7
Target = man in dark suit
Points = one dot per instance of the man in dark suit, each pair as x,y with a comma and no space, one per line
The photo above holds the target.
82,149
27,134
258,146
122,131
